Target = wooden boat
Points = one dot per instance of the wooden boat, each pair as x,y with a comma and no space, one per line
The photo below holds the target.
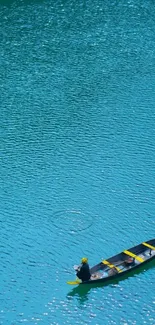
120,264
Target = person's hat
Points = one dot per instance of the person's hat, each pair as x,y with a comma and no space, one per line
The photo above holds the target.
84,260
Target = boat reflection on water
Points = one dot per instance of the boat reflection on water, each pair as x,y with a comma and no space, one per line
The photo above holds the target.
82,292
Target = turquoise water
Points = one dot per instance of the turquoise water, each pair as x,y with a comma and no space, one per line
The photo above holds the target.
77,157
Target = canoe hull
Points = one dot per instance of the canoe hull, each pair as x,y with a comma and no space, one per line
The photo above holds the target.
118,275
138,255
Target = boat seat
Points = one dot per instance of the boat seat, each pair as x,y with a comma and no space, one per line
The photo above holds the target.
141,256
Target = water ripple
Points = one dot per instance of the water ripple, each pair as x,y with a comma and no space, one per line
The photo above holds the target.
72,221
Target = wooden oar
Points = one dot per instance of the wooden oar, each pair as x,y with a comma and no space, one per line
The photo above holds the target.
76,282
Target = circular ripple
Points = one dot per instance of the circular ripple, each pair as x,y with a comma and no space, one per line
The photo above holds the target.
72,220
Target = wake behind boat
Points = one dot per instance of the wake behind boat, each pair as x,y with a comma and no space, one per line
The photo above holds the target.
120,264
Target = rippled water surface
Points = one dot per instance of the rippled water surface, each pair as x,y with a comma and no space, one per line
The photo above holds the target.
77,157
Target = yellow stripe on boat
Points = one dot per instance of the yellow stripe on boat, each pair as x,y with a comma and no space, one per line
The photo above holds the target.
148,245
134,256
111,265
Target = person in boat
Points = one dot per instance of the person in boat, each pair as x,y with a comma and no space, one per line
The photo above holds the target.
83,271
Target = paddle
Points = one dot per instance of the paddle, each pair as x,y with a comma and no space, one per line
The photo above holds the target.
76,282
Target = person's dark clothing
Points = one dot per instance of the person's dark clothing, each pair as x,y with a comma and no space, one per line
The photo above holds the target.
84,272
